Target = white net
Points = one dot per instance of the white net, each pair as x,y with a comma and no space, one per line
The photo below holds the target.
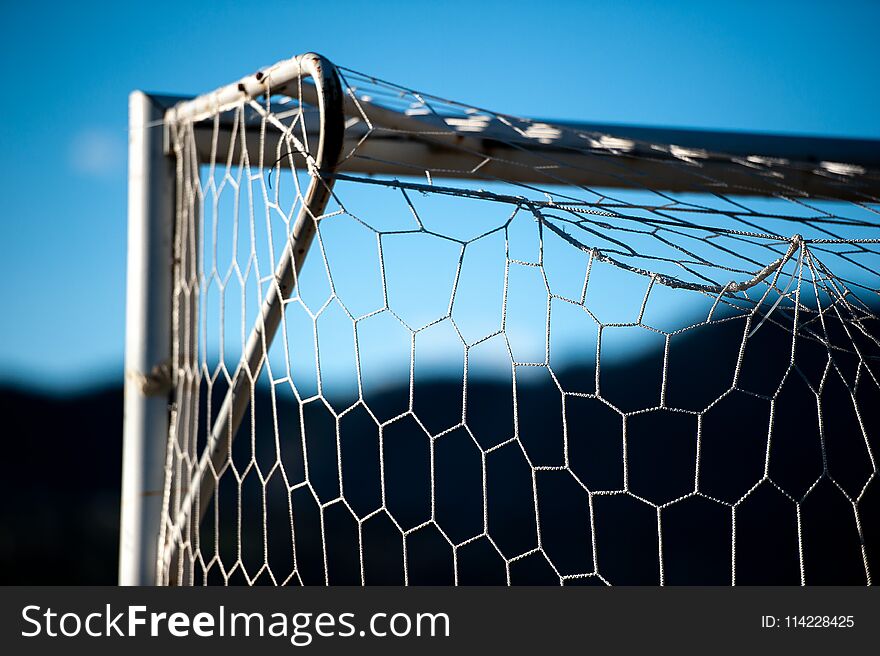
514,356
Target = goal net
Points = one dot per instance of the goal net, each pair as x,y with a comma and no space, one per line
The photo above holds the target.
417,342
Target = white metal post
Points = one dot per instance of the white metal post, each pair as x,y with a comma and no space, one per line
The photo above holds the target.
151,179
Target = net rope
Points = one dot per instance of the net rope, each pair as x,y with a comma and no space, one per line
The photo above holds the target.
496,368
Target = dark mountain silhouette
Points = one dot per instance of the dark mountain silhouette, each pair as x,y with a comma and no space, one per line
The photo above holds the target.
62,477
60,486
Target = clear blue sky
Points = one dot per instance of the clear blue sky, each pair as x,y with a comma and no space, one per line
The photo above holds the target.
798,67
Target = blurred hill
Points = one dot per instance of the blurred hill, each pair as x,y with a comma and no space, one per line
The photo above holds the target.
60,487
63,453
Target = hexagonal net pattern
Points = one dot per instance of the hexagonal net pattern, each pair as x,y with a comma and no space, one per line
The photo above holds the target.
514,356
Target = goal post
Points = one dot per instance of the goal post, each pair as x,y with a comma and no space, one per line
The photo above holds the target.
601,202
151,185
151,263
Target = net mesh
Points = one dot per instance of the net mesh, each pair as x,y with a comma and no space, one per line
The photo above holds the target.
512,356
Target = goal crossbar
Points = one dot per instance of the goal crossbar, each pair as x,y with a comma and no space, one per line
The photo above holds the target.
401,145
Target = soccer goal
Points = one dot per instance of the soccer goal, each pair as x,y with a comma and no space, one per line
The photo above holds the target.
378,337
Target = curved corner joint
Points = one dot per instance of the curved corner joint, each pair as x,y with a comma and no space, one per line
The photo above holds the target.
330,108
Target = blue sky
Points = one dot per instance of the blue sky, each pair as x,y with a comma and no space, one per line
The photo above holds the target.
797,67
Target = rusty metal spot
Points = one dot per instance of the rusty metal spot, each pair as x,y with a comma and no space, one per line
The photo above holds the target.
158,381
